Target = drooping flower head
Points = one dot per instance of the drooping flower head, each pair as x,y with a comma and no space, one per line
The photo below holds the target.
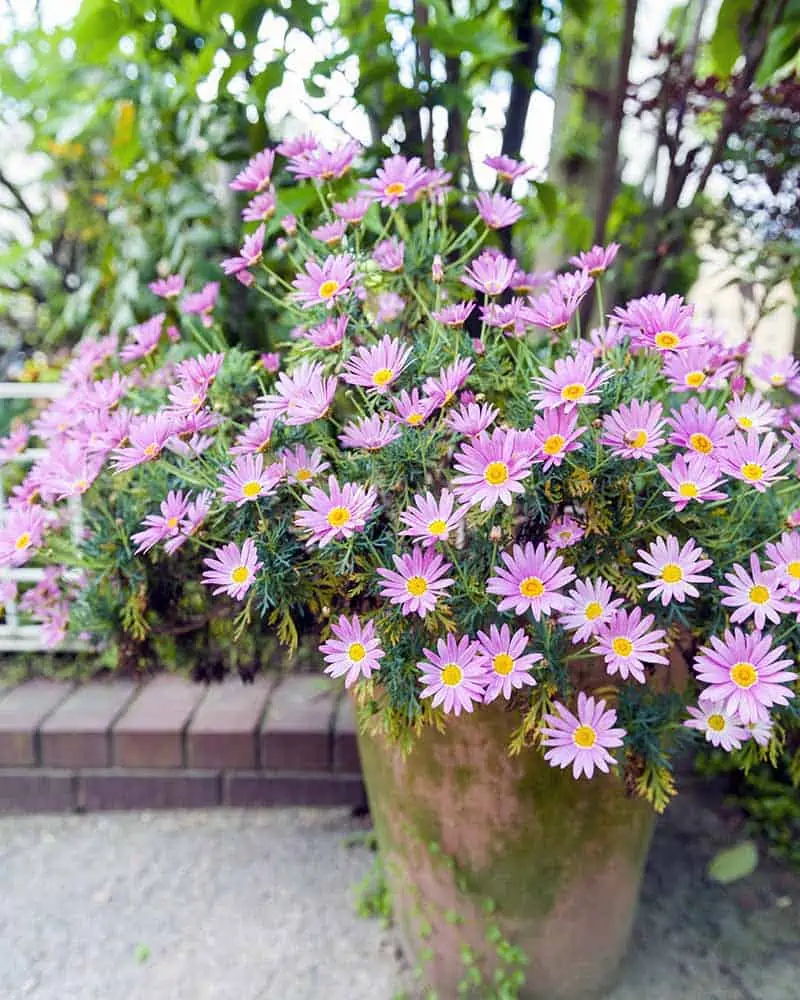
323,285
506,664
582,741
339,513
452,676
588,606
431,519
260,208
249,255
376,368
232,570
760,593
745,673
634,430
569,383
531,579
692,478
256,175
628,642
675,569
417,581
389,254
354,652
201,303
491,468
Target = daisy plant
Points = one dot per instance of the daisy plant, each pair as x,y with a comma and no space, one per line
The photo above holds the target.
472,497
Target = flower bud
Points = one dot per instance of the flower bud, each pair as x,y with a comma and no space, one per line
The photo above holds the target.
289,224
437,271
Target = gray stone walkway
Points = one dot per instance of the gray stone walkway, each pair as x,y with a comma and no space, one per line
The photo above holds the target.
259,905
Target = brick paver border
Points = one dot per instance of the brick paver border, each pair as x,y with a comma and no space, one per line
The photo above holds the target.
169,743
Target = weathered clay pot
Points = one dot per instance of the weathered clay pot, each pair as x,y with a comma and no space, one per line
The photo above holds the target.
459,823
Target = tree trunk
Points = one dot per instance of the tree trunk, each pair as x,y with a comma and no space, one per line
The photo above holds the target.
528,33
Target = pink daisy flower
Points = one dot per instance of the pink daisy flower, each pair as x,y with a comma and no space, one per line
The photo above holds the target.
659,323
472,419
143,339
70,473
157,527
531,580
692,477
507,667
597,260
296,145
397,180
571,382
300,397
418,582
254,438
270,362
324,285
431,519
201,303
759,463
328,335
412,408
507,168
302,467
167,288
249,255
330,233
147,437
676,569
778,372
588,606
376,368
14,443
496,211
390,306
232,570
529,281
490,273
106,393
634,430
784,557
582,741
260,208
339,513
456,314
700,429
197,511
452,676
691,370
564,531
353,210
759,593
491,468
322,164
21,534
256,175
354,651
510,317
751,412
370,433
442,388
555,433
745,673
720,728
628,642
247,479
389,255
556,306
760,731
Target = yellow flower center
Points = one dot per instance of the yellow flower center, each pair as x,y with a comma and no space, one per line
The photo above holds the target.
716,722
584,737
752,471
338,517
328,288
239,574
793,569
251,489
777,379
531,586
416,586
622,646
383,376
80,485
452,674
151,450
695,379
688,490
666,340
593,610
565,535
502,664
573,392
396,189
496,473
759,594
356,652
744,422
553,444
303,475
23,541
743,675
701,443
172,522
437,526
637,439
196,400
672,573
414,419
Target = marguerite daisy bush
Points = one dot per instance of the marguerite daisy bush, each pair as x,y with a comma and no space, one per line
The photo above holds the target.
471,501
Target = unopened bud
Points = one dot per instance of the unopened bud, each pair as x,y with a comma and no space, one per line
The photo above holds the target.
495,534
437,271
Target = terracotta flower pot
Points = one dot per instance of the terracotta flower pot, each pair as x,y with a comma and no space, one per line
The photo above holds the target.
462,827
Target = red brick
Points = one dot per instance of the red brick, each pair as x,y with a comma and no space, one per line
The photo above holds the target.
297,732
224,732
260,788
77,733
22,711
121,789
345,743
150,731
28,790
